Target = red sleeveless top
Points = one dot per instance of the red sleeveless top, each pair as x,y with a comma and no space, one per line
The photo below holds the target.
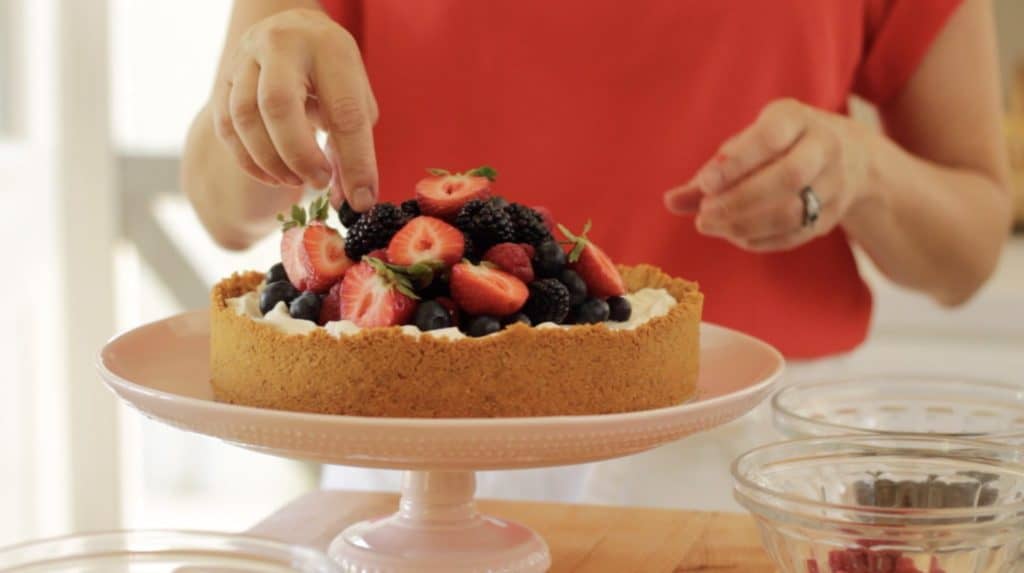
595,108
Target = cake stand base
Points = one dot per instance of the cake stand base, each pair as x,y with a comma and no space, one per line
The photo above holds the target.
438,529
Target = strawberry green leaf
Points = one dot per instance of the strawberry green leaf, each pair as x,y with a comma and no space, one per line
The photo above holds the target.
578,242
484,171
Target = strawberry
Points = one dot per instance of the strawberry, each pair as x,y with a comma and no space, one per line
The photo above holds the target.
593,265
426,240
513,259
325,258
330,308
381,254
313,254
374,295
443,193
480,289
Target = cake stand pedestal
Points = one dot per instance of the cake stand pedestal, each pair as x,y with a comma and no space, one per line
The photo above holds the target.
162,370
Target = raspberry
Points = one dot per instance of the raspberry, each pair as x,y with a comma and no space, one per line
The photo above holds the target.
511,258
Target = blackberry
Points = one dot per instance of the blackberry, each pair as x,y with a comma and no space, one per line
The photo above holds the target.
548,302
528,224
469,250
347,216
411,208
373,230
486,223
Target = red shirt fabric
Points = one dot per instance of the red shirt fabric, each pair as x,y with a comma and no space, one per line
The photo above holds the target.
595,108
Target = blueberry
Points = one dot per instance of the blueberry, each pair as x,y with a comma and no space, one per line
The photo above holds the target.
517,317
577,288
306,307
276,292
276,273
431,315
549,259
591,311
483,325
619,309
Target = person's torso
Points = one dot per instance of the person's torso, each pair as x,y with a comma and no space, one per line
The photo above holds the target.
594,109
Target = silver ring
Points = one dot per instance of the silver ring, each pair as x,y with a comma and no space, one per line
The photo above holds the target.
812,206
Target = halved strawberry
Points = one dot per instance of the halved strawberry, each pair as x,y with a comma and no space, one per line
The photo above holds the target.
480,289
292,257
312,253
381,254
426,240
512,258
324,257
330,307
593,265
373,295
443,193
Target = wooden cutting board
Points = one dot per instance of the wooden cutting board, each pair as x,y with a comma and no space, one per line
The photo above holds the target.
583,538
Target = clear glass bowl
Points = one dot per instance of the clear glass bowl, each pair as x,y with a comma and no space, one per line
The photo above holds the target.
958,408
874,504
162,552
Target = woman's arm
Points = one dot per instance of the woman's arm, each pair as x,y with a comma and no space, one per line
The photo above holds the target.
937,215
931,206
286,67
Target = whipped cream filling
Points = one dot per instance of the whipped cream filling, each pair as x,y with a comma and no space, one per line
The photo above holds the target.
647,303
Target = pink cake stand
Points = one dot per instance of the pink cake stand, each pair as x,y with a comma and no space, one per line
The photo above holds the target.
161,369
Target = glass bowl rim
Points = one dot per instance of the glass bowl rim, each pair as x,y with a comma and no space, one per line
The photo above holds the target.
308,555
742,481
847,430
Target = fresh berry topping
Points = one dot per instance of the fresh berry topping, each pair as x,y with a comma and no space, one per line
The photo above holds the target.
276,273
330,307
381,254
313,254
548,302
577,288
511,258
528,224
373,230
591,311
545,214
293,257
426,240
347,216
482,326
598,271
273,293
486,223
470,253
517,317
443,193
530,250
324,257
432,315
480,289
450,306
619,309
374,295
306,307
549,259
411,208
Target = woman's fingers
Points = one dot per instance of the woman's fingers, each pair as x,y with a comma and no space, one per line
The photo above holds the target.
768,202
281,98
348,116
780,124
248,124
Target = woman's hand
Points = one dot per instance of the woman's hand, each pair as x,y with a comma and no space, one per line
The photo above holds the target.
292,72
750,192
